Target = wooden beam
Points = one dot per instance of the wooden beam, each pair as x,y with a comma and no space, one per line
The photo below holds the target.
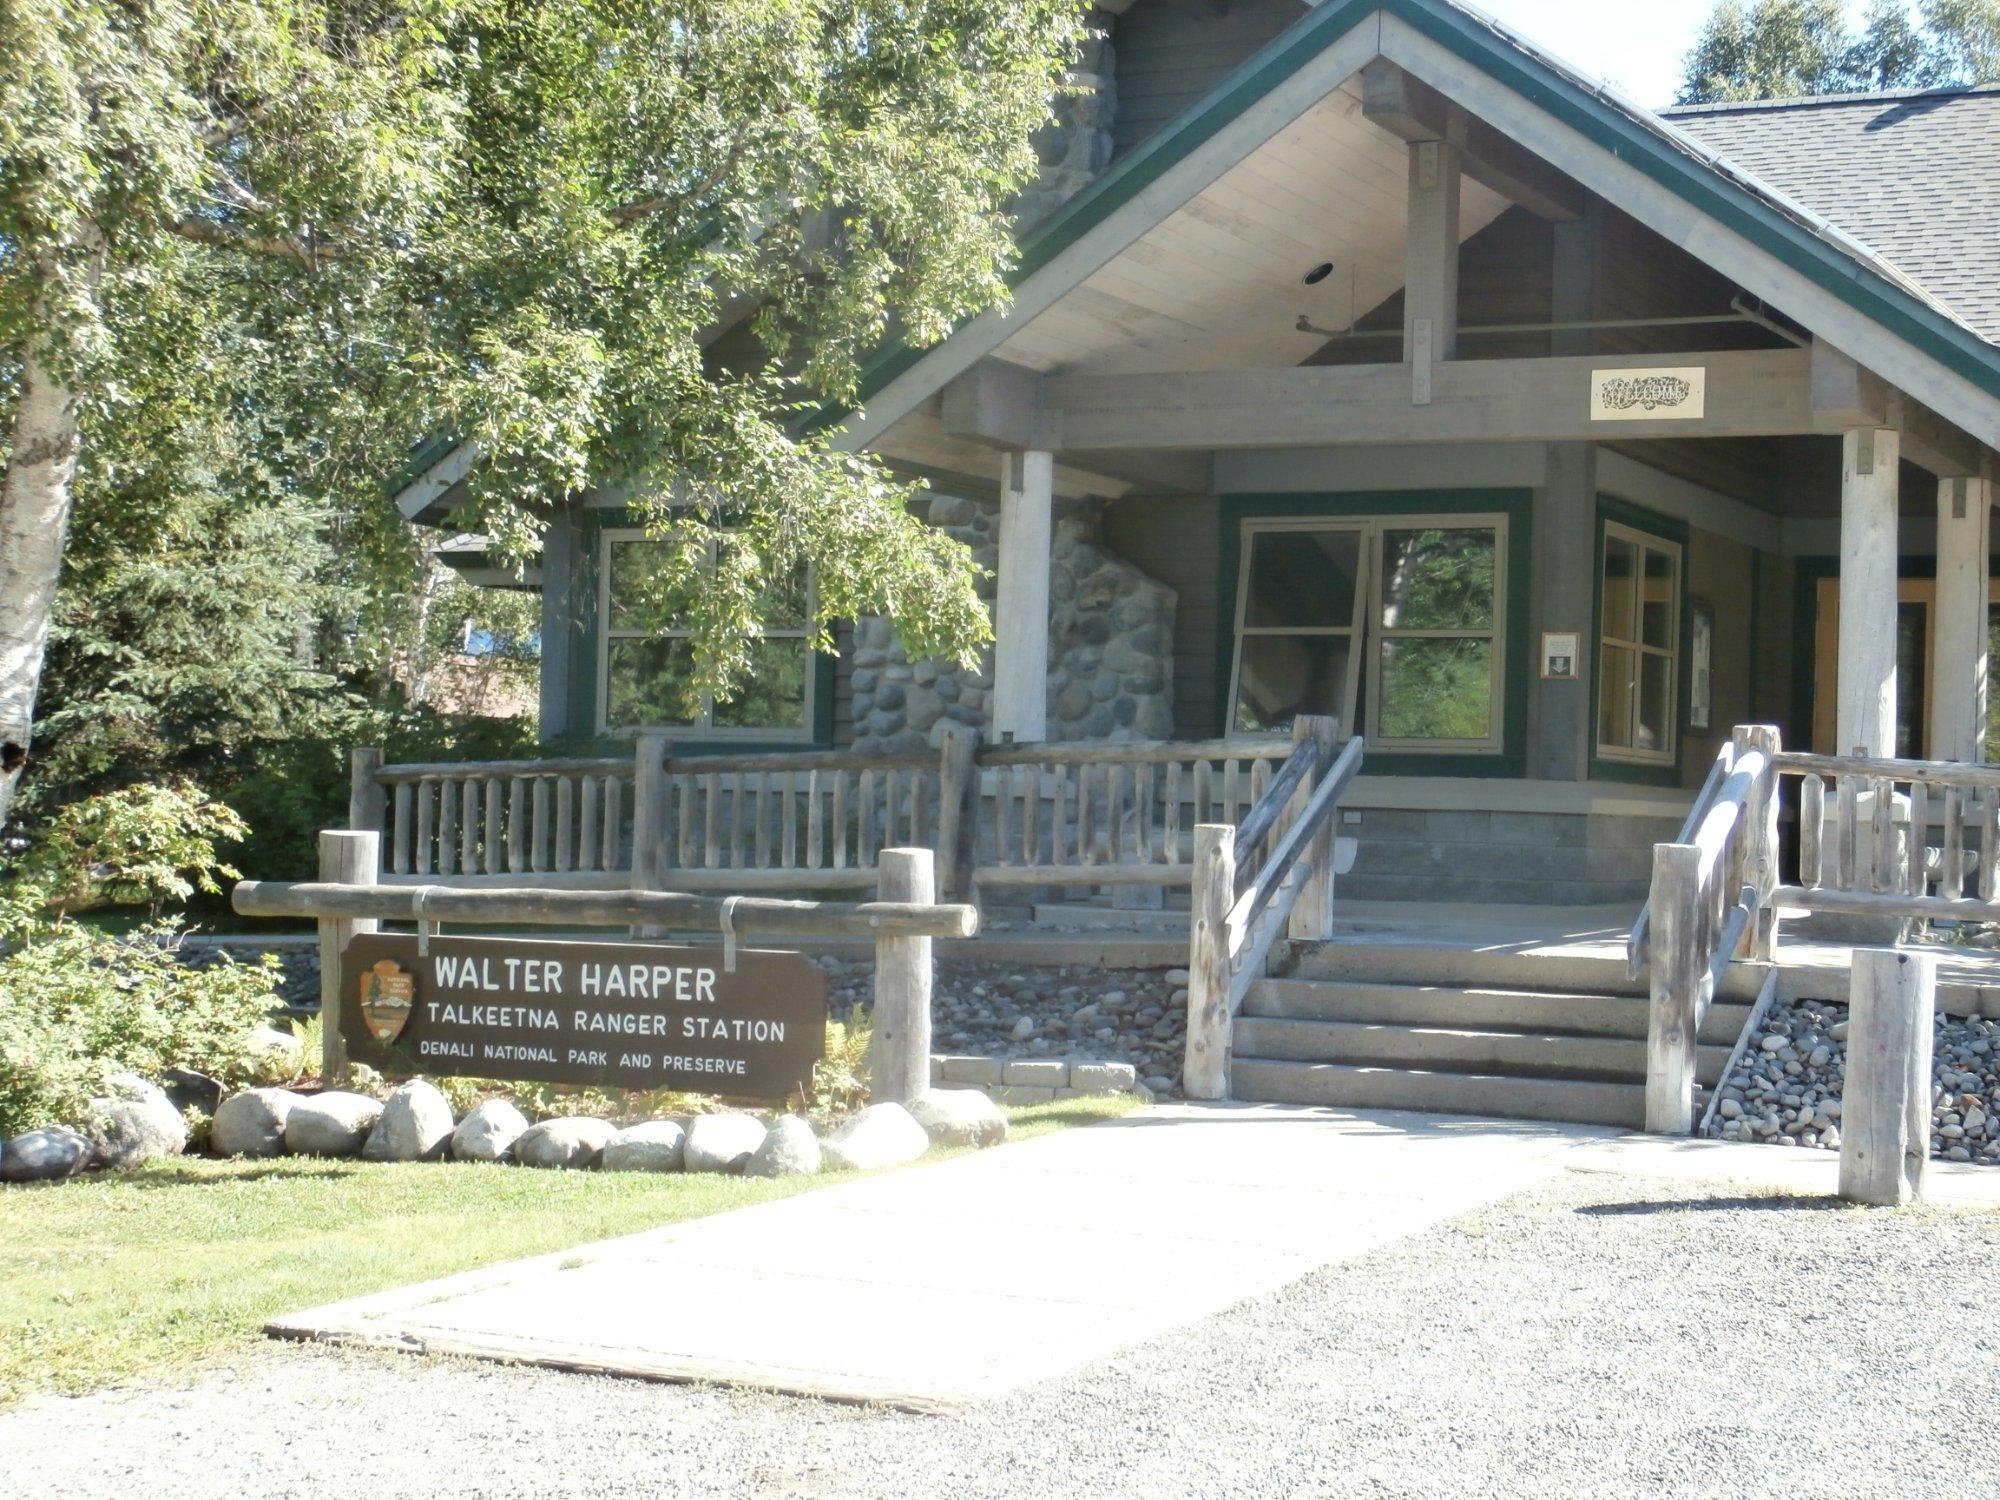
994,403
1750,393
1412,109
1430,258
1846,395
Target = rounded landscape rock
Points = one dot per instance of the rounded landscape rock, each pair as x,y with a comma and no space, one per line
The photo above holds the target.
722,1143
655,1146
959,1117
134,1124
488,1132
252,1123
571,1143
789,1149
335,1123
415,1125
882,1135
44,1155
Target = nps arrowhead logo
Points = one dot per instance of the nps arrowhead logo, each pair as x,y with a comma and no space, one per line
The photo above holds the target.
388,995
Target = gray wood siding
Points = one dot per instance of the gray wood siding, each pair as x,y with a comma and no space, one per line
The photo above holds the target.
843,684
1174,539
1167,57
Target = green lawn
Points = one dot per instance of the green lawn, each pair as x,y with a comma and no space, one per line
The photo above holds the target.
108,1277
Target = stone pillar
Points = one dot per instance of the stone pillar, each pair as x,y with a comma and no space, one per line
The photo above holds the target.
1958,704
1021,612
1866,719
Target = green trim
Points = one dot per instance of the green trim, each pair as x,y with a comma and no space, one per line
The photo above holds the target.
1517,505
1644,148
582,685
421,460
1667,529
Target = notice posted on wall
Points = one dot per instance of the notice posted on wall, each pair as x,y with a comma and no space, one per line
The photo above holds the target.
605,1015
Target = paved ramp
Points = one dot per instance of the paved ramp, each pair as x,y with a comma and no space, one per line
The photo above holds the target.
940,1285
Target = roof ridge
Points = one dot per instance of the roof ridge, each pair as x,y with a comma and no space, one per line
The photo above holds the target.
1826,101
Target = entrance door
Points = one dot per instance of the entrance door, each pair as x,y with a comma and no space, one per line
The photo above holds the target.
1916,667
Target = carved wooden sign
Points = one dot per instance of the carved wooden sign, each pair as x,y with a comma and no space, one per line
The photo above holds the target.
609,1015
1664,395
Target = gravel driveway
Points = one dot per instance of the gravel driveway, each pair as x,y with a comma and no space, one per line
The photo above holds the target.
1600,1335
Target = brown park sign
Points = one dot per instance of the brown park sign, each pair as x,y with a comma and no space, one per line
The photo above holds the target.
609,1015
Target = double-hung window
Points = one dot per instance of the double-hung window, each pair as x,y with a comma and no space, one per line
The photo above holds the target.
1396,623
645,657
1639,647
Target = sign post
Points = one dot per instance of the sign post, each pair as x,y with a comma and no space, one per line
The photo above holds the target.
899,1051
346,857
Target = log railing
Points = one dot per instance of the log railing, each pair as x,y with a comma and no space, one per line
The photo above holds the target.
1110,812
1712,898
1899,839
1268,876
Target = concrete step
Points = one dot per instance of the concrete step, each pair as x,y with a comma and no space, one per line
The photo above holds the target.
1528,1054
1545,1012
1503,1096
1597,970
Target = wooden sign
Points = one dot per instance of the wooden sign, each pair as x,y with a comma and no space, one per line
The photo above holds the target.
1679,394
608,1015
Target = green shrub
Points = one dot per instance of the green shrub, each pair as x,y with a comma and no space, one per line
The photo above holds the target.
840,1080
80,1006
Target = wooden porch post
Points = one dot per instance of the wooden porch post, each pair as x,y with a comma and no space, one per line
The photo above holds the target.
1430,281
1870,459
367,806
649,810
1885,1132
1958,706
1021,613
1680,989
1205,1070
346,857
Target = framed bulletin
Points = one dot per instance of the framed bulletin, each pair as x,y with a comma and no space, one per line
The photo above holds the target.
1562,656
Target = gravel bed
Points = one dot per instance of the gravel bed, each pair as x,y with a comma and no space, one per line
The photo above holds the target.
1786,1091
1599,1335
1138,1016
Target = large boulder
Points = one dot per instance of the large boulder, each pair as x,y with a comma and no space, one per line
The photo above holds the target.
573,1142
959,1117
488,1132
134,1123
789,1149
44,1155
335,1123
252,1123
722,1143
273,1054
882,1135
415,1125
186,1089
656,1146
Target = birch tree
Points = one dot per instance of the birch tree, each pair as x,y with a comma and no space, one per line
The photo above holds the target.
516,222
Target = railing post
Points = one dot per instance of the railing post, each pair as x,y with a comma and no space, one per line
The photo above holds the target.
1312,916
958,773
1680,975
1885,1129
367,805
649,801
346,857
899,1051
1760,820
1205,1073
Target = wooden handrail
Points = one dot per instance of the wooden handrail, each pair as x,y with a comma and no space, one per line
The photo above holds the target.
1131,752
473,770
657,909
1325,798
1636,940
1254,829
1935,772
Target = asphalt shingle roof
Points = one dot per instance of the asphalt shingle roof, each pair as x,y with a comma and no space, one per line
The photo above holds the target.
1914,176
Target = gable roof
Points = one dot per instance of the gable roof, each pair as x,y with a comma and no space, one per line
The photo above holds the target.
1613,145
1914,175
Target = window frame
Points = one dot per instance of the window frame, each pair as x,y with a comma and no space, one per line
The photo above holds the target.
704,726
1675,651
1365,663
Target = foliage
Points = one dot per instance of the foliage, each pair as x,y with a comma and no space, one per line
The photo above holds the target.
840,1080
271,243
1777,49
81,1007
150,844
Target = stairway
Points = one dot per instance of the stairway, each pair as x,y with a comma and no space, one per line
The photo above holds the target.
1543,1035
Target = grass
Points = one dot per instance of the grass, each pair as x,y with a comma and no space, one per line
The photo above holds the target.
115,1276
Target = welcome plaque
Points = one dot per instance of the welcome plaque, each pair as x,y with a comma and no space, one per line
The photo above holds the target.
1677,394
606,1015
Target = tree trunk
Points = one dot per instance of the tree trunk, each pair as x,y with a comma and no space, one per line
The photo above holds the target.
35,498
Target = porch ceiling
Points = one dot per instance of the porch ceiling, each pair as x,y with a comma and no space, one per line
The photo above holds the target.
1218,284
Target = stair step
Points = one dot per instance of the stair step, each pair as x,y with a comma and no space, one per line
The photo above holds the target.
1591,973
1456,1050
1503,1096
1538,1012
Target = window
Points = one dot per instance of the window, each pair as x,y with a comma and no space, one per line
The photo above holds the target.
1408,612
1639,647
645,659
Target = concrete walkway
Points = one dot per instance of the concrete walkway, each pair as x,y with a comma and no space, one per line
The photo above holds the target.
937,1286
